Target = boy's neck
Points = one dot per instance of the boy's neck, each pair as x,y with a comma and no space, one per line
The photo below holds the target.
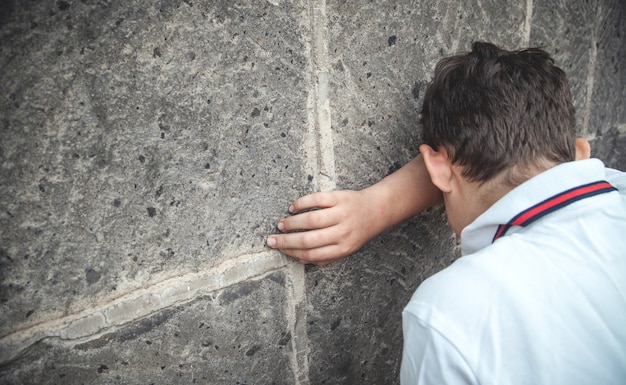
479,197
471,200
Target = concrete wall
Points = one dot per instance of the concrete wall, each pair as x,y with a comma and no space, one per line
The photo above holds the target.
147,148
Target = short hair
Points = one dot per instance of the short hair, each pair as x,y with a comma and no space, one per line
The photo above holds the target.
499,112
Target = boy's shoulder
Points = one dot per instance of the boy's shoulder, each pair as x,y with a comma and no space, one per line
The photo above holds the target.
550,192
466,284
617,178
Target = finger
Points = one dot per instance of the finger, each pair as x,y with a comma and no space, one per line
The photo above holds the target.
315,200
311,220
320,256
304,240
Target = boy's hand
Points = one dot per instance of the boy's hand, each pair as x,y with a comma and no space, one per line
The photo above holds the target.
344,221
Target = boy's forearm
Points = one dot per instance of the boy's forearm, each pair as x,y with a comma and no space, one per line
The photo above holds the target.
404,194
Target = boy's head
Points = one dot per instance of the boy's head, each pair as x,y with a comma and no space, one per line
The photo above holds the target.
493,119
500,113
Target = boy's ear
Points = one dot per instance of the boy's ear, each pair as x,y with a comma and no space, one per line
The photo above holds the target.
583,149
438,166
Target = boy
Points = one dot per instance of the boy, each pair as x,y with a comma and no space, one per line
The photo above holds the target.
539,296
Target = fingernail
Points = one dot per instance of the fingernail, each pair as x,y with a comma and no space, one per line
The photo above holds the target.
271,242
281,226
291,209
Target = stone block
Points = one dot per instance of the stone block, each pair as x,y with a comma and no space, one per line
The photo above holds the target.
610,148
566,32
237,335
607,110
585,39
141,141
354,324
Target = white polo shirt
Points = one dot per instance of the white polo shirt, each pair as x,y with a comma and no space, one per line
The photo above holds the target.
545,303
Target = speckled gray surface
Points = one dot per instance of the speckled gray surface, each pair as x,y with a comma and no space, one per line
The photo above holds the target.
181,345
147,149
141,142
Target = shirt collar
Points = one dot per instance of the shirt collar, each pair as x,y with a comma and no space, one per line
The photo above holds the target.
480,232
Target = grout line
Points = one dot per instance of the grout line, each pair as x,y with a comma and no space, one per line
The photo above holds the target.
320,161
528,22
591,73
93,322
296,316
321,68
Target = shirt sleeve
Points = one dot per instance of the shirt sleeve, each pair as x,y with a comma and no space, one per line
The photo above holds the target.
429,358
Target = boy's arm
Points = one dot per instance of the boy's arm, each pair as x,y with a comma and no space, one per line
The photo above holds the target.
348,219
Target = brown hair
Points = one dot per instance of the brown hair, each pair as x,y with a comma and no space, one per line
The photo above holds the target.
499,112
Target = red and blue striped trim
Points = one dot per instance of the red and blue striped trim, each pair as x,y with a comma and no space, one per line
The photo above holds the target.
554,203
